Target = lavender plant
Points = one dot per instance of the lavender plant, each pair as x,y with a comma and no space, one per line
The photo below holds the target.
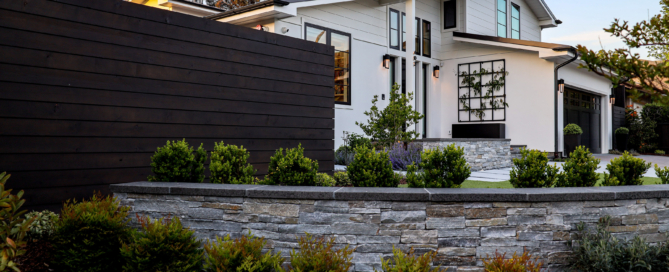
401,157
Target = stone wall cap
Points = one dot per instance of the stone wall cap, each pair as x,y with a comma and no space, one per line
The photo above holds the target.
461,140
396,194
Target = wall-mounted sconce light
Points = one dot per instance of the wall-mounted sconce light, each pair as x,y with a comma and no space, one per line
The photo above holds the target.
386,61
612,96
284,30
561,85
261,28
435,73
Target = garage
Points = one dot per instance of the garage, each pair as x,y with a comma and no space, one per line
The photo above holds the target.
585,110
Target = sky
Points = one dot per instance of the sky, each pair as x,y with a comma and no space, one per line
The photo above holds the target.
583,21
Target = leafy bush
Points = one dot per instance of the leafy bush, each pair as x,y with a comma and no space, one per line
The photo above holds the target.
323,179
13,228
659,152
625,170
601,251
642,130
229,165
175,162
440,168
371,169
355,140
241,255
43,224
522,263
342,179
401,157
291,168
571,129
579,170
532,170
89,235
663,174
622,130
404,262
344,155
162,245
655,112
319,255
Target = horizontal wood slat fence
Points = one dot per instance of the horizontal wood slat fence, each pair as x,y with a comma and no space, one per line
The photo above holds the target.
90,89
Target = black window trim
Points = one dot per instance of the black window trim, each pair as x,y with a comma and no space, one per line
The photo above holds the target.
428,38
513,5
419,36
399,29
402,31
328,32
455,25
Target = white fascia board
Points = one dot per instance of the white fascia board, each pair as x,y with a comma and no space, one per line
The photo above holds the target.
187,8
316,3
544,53
260,14
548,23
390,2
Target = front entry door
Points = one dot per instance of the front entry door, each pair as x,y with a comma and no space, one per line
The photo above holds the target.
584,110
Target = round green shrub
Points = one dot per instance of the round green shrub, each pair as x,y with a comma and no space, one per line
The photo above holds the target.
625,170
572,129
371,169
291,168
241,255
659,152
162,245
43,225
663,174
175,162
89,235
579,170
342,178
229,164
440,168
532,170
622,130
325,180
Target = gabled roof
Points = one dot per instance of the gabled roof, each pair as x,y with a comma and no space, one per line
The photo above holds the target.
544,14
549,51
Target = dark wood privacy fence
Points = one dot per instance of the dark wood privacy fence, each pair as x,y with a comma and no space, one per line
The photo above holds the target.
89,89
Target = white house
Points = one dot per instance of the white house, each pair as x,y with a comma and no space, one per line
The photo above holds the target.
457,37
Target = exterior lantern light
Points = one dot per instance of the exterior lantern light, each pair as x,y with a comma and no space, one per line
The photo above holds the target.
435,73
386,61
612,96
561,85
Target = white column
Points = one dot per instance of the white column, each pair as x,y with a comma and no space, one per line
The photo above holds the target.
411,44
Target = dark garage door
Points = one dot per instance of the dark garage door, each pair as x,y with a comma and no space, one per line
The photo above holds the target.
584,110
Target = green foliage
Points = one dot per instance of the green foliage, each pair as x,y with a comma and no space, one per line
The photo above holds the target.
655,112
572,129
387,125
662,173
13,228
409,262
89,235
659,152
342,179
43,224
486,90
371,169
354,140
325,180
598,251
162,245
622,130
291,168
625,170
175,162
532,170
579,170
522,263
229,165
240,255
319,255
642,133
440,168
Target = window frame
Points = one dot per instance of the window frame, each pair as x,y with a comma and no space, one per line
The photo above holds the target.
328,35
403,19
418,37
455,15
390,29
506,18
429,38
512,18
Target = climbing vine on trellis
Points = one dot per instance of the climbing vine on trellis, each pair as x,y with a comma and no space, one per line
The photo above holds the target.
483,84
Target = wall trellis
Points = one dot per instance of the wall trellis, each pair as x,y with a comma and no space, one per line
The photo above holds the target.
482,91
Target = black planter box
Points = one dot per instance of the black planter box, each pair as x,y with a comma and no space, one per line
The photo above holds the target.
497,131
571,141
621,142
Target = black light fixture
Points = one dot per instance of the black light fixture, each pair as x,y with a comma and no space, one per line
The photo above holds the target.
561,85
386,61
435,73
612,96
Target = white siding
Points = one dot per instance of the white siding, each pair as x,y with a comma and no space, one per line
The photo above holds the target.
529,24
482,19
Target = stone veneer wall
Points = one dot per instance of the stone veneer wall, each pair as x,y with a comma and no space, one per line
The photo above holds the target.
462,225
481,154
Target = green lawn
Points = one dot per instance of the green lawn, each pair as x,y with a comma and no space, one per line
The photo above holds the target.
507,184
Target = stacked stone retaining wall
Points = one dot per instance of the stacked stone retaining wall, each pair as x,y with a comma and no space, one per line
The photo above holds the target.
481,154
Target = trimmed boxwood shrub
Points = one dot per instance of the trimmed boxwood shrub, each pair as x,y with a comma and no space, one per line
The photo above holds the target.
291,168
622,130
89,235
440,168
571,129
371,169
177,162
323,179
242,254
579,170
532,170
662,173
229,164
625,170
342,178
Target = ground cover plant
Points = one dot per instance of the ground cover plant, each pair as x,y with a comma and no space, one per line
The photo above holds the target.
242,254
409,261
439,168
579,170
371,169
178,162
229,164
291,168
532,170
625,170
13,228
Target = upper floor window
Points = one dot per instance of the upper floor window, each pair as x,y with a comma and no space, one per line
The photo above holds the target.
404,31
501,18
515,21
394,29
342,58
450,14
417,31
427,39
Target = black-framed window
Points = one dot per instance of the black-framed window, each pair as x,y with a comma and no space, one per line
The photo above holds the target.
426,77
427,39
404,31
392,71
501,18
418,36
482,91
394,29
515,21
342,64
450,14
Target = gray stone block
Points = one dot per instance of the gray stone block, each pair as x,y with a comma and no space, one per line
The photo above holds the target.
402,216
419,237
445,210
293,192
366,239
459,232
458,242
525,220
535,236
355,228
304,228
498,232
445,223
382,194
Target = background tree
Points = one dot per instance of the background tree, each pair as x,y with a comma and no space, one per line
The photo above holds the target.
623,67
389,125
